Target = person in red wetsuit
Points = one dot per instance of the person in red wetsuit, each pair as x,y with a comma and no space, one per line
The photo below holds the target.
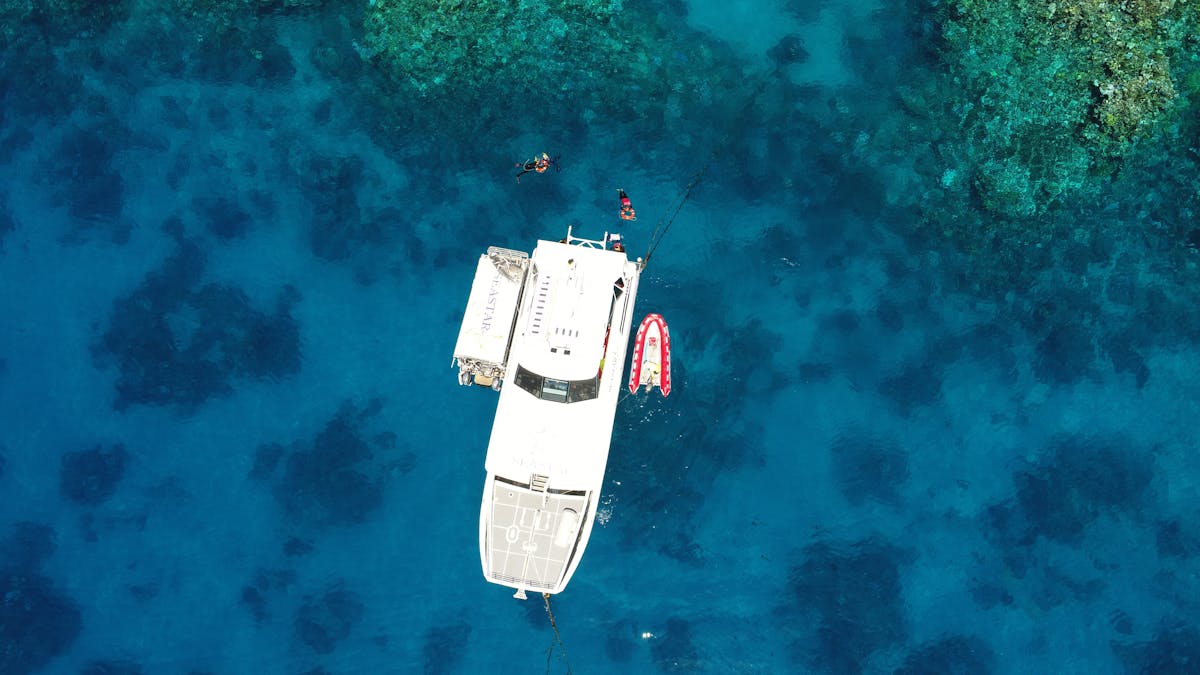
627,212
617,244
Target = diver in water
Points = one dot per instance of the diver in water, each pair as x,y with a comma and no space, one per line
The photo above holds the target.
627,212
538,164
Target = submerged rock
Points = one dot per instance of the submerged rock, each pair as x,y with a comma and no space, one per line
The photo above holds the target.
788,51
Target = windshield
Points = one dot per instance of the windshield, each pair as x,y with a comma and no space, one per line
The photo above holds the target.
550,389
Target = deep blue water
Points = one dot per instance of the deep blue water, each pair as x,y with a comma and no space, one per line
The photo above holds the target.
232,441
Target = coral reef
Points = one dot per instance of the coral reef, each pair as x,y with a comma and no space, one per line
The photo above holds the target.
1174,649
1055,97
1064,355
500,66
620,637
1032,141
915,386
434,44
295,547
255,595
90,477
8,222
1055,90
443,651
1078,479
868,468
954,655
855,593
223,217
37,622
60,19
675,651
1177,539
175,343
323,621
88,179
332,480
789,50
112,667
13,13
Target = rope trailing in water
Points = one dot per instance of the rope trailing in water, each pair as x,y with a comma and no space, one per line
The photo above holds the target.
668,218
557,639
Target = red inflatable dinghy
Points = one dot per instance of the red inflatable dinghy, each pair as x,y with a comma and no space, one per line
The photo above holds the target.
651,365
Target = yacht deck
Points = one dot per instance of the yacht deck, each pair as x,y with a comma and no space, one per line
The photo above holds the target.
525,546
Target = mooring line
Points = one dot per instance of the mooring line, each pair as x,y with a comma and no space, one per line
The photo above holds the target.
672,211
557,638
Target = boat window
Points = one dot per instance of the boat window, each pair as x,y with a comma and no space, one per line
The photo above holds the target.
529,381
583,390
550,389
555,390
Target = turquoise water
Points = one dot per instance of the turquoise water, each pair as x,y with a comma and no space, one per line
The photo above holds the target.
233,442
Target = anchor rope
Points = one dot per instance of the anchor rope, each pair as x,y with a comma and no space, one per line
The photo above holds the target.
557,639
668,218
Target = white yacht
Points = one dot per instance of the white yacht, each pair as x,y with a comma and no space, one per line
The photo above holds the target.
553,328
